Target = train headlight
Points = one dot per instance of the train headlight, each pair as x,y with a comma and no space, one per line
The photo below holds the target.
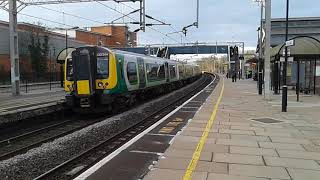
100,84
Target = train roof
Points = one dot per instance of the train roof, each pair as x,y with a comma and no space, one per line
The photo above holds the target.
142,55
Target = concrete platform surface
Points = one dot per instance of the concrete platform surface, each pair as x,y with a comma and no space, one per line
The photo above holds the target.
9,102
12,108
240,148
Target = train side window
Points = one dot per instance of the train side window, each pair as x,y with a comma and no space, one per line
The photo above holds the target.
180,71
132,73
172,69
152,71
162,74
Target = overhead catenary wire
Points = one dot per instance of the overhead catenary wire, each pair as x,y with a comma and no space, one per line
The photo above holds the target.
52,21
67,25
170,25
137,20
88,19
72,15
69,14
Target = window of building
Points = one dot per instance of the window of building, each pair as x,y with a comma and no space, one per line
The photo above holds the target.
132,73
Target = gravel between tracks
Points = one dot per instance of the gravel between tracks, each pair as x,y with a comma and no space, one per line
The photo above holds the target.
41,159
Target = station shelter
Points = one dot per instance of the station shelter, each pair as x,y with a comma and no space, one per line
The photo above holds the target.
303,67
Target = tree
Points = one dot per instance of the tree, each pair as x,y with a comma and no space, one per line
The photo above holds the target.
212,63
38,49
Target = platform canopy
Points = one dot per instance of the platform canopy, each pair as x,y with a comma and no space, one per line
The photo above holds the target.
304,46
63,55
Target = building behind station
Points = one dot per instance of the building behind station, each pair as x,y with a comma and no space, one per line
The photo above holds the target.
110,36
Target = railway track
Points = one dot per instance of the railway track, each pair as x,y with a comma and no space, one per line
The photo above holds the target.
22,143
79,163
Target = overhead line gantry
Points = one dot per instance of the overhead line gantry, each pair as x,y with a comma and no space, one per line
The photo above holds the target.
15,6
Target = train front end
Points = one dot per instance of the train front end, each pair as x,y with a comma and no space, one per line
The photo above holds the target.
91,73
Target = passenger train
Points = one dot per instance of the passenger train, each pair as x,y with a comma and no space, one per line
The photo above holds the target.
98,78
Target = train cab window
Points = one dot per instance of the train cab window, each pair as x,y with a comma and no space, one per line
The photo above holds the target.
103,67
172,69
162,74
132,73
69,70
152,71
82,67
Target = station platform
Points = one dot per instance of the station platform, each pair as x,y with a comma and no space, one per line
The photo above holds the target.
227,133
26,105
250,139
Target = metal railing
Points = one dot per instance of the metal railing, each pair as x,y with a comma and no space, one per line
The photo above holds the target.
30,81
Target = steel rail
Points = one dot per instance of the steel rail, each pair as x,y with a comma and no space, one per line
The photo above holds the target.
34,132
42,141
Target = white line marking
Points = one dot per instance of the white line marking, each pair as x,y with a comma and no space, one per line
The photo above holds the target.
147,152
152,134
190,107
97,166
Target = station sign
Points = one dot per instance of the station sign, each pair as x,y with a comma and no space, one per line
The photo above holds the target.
290,43
290,59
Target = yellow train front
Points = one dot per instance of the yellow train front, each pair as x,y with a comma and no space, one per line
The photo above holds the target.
97,78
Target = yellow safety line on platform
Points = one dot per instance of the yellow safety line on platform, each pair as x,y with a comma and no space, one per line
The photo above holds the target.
196,154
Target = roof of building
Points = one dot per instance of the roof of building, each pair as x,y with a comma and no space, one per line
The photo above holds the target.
91,32
295,19
304,46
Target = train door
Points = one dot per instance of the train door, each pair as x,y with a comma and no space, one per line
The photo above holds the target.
142,75
83,63
167,71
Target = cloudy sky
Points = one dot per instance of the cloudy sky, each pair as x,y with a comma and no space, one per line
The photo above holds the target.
220,20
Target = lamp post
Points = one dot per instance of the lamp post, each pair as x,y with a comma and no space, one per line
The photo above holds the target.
267,88
61,67
260,67
284,87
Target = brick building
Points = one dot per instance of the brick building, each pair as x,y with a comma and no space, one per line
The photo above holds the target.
110,36
56,43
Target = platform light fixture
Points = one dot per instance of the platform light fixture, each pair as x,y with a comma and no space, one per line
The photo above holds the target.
260,30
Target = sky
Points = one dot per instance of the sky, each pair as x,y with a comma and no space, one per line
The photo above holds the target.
220,20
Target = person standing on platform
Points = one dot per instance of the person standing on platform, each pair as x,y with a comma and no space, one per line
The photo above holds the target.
234,76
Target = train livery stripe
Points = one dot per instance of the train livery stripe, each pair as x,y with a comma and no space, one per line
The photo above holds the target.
196,154
83,87
113,76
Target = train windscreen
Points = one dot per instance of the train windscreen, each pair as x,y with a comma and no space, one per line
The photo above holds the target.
102,67
82,67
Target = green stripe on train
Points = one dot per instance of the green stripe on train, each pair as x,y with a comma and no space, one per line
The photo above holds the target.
121,86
